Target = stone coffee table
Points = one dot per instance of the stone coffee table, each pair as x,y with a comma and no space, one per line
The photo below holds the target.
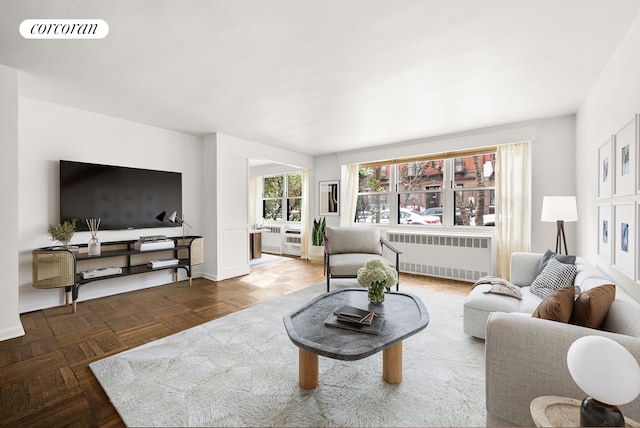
405,315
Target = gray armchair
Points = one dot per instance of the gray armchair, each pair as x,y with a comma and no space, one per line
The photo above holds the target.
347,249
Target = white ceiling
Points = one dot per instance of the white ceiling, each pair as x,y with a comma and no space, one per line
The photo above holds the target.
320,77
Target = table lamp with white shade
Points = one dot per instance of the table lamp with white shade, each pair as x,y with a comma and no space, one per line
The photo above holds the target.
559,209
609,374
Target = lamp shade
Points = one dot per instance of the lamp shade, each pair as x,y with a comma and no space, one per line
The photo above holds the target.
172,217
556,208
604,370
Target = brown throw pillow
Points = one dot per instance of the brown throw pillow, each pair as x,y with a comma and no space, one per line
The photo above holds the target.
558,306
591,307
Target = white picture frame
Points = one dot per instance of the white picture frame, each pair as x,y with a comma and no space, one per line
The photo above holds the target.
329,202
625,163
605,237
624,230
605,170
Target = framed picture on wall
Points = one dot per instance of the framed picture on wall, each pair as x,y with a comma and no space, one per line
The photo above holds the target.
329,198
625,160
605,170
624,244
605,238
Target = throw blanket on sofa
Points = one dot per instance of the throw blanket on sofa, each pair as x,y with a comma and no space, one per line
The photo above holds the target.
499,286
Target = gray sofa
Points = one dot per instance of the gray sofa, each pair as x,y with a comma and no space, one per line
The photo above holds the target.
526,357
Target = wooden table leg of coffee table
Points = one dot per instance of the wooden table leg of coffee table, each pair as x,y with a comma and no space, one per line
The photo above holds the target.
307,369
392,364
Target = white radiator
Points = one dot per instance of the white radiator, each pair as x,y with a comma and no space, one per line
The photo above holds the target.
292,241
463,258
272,239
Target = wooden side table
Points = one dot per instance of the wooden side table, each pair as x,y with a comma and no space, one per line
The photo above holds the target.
553,411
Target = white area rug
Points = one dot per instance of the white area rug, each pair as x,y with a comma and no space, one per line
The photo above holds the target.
242,370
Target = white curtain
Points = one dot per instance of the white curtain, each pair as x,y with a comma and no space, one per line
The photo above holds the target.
513,203
304,218
255,200
349,198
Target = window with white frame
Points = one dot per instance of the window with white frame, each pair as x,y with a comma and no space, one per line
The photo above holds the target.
282,192
475,190
447,190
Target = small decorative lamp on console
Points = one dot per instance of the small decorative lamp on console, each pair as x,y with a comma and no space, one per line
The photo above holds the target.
559,209
173,218
610,376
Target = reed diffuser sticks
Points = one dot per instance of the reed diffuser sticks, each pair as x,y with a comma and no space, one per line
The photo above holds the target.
93,225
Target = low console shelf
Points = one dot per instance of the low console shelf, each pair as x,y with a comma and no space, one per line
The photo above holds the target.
55,267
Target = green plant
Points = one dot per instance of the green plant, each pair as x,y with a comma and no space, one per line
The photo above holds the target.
317,233
62,232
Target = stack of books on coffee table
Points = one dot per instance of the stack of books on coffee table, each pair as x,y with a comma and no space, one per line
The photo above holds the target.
356,319
353,315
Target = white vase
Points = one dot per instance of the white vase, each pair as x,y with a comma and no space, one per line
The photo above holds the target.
316,254
94,247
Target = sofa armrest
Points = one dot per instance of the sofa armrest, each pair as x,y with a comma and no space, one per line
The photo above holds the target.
523,268
526,357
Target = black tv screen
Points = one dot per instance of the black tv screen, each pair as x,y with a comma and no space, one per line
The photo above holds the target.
122,198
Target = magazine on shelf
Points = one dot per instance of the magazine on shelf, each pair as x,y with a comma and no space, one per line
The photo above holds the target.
97,273
152,238
162,263
154,245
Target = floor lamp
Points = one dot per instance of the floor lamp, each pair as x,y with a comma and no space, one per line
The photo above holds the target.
559,209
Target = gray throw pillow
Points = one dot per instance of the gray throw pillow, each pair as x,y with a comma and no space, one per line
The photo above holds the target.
554,276
548,255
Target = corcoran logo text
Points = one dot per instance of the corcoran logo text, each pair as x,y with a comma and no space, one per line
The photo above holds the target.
64,29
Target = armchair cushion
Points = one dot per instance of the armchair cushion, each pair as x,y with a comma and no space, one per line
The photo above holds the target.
348,264
344,240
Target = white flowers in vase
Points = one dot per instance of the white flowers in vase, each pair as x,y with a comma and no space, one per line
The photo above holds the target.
377,276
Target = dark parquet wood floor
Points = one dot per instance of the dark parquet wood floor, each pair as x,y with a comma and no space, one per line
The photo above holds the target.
44,375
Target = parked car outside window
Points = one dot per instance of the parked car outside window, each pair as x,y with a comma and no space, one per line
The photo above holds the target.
408,216
439,211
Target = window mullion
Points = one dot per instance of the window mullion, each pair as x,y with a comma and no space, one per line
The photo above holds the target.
394,196
448,208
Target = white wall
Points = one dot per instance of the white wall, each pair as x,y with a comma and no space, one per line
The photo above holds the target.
209,198
611,103
253,150
552,157
50,132
232,207
553,174
10,325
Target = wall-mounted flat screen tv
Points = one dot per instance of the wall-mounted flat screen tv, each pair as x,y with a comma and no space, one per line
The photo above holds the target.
121,197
